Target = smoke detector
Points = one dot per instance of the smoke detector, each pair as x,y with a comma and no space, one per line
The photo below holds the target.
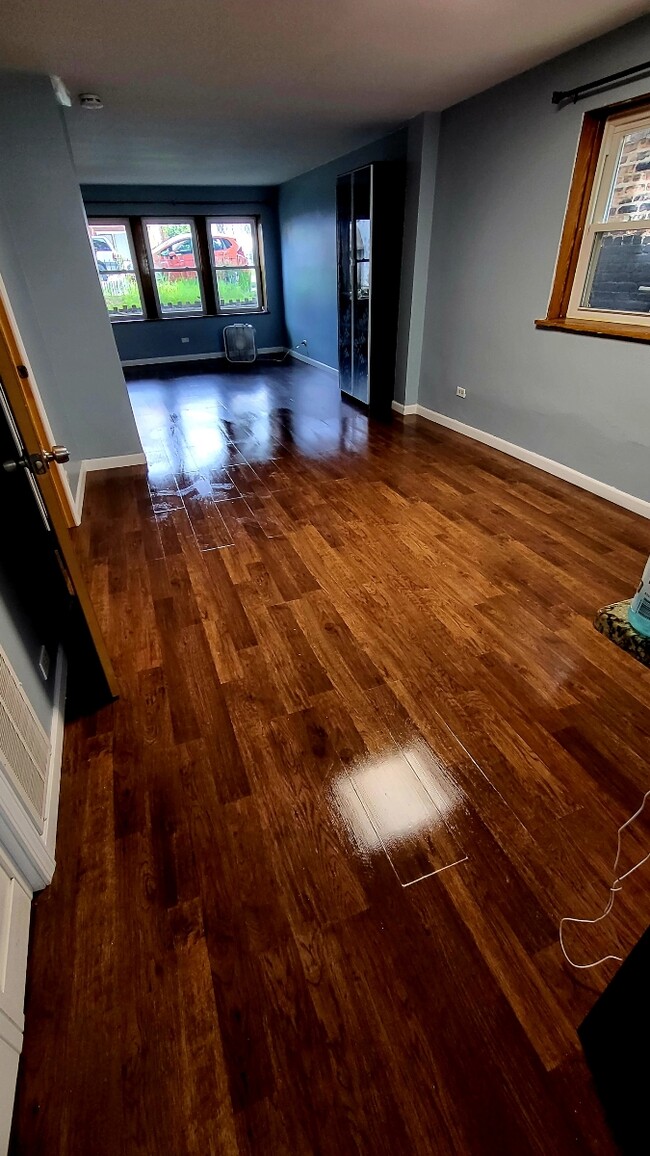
90,100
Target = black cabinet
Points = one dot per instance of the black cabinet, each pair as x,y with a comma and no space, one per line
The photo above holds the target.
369,223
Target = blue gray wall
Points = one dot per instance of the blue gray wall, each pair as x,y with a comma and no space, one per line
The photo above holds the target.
421,166
504,169
308,233
47,266
148,339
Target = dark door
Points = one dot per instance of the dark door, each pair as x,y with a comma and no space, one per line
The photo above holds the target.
345,278
34,574
361,278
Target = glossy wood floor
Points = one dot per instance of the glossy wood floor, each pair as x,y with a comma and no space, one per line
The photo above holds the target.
369,751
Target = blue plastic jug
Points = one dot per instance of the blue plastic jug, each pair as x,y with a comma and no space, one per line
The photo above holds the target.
639,612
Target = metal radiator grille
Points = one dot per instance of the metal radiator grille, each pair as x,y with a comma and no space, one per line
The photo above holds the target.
24,746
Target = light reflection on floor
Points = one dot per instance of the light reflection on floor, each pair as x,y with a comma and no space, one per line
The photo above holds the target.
225,442
220,418
396,803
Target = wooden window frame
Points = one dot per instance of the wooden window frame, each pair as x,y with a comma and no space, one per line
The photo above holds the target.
200,224
582,197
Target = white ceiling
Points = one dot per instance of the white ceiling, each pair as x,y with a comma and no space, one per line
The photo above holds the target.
209,92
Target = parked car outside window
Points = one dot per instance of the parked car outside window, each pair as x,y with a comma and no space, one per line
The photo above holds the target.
179,252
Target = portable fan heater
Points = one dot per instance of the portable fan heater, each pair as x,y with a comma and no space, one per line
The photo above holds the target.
239,344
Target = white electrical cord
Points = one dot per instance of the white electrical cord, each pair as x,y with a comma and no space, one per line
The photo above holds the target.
617,885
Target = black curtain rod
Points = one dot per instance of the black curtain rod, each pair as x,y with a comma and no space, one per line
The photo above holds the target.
625,76
180,204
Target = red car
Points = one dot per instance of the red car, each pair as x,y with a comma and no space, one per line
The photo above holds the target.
178,252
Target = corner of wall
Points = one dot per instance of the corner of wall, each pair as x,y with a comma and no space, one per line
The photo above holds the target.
422,158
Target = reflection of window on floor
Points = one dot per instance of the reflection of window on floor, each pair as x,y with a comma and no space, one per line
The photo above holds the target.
179,267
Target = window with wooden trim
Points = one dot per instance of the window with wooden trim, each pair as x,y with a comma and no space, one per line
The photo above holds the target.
154,268
602,276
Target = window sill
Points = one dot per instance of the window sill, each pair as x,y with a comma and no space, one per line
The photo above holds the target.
621,330
191,316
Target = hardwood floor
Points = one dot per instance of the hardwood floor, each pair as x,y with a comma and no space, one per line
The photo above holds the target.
369,750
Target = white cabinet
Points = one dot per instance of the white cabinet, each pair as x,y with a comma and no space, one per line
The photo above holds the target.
27,841
9,1056
15,907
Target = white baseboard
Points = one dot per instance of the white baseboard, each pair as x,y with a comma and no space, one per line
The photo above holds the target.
405,410
312,361
557,469
91,465
135,361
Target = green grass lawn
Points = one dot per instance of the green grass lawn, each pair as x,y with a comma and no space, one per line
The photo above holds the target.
176,291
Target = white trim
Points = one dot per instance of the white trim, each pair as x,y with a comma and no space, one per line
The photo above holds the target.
135,361
22,842
36,393
312,361
596,222
90,465
557,469
405,410
32,853
10,1034
56,754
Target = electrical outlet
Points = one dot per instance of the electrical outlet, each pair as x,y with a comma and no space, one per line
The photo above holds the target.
460,392
44,663
184,340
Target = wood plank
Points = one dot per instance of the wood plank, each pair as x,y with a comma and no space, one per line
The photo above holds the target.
399,637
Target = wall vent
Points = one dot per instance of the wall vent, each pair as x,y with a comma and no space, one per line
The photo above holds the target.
24,745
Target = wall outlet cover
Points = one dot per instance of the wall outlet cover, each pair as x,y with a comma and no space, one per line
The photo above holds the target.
184,340
460,392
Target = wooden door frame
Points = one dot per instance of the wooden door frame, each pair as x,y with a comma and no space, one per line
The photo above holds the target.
36,436
11,335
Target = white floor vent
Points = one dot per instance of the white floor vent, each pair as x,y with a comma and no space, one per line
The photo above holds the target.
24,745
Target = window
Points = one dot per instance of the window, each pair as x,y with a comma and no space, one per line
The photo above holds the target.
234,253
172,250
113,251
602,277
153,268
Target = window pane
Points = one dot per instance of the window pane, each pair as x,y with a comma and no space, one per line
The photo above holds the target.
179,292
114,262
173,253
232,243
363,279
619,273
237,288
630,199
172,245
363,239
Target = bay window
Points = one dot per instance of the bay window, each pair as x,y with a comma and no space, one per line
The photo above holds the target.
161,267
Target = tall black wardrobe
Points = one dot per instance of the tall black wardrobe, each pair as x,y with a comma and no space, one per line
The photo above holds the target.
369,215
